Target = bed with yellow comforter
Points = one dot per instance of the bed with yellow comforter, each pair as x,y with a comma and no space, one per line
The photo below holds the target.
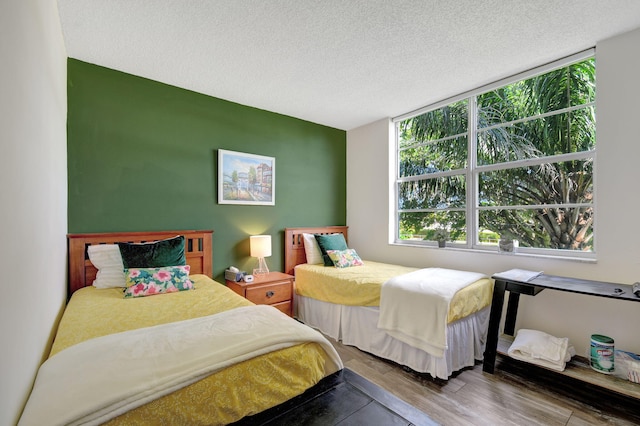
360,286
345,304
226,395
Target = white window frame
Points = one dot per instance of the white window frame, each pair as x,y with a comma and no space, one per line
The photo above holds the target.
473,170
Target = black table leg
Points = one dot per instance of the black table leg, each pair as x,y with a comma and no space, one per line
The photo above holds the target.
512,313
495,315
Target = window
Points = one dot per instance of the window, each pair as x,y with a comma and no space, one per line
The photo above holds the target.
514,161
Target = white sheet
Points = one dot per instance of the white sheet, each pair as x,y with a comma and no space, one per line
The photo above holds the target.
97,380
414,306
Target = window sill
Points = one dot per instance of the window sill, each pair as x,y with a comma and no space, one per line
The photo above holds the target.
451,247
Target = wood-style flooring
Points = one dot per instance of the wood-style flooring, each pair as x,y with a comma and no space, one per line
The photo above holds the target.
517,394
344,398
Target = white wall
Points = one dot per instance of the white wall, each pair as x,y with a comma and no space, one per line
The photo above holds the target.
618,235
33,176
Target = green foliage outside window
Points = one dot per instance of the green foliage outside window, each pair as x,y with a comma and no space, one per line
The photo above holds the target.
534,143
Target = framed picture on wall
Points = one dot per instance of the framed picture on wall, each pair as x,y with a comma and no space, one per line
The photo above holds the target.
246,178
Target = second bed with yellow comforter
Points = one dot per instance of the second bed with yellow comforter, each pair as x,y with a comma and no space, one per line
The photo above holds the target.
345,303
360,286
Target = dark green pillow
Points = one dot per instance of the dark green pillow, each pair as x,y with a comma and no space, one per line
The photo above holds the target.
330,242
169,252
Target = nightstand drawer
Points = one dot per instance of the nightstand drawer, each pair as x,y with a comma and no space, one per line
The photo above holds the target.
271,293
285,307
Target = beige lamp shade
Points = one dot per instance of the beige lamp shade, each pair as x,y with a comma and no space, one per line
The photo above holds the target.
260,248
260,245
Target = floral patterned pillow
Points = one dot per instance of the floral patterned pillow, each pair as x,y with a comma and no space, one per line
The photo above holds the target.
149,281
344,258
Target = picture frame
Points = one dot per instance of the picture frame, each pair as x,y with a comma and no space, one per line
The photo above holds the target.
244,178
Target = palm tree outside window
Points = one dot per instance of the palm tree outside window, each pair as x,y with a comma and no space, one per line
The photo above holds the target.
512,162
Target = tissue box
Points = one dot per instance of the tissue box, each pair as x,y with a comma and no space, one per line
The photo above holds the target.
233,276
627,365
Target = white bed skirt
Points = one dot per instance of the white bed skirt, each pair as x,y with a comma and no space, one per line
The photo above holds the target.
357,326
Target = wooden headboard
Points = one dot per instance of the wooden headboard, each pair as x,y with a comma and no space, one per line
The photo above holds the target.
198,251
294,244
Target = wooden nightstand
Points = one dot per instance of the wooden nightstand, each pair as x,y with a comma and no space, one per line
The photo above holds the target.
274,288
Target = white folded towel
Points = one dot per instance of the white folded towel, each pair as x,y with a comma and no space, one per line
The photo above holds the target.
538,347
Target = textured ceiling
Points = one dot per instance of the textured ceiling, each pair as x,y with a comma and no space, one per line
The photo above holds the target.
340,63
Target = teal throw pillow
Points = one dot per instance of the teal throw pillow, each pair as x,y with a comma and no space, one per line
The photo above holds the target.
169,252
330,242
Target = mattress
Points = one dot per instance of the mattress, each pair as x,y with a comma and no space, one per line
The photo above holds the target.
360,286
242,389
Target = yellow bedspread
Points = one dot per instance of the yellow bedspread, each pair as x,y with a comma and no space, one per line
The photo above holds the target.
242,389
360,286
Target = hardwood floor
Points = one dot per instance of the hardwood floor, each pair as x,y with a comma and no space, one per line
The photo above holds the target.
517,394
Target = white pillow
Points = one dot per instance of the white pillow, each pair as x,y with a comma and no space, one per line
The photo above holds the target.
312,249
107,259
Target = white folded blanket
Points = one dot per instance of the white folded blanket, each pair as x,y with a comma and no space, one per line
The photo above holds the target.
99,379
538,347
414,307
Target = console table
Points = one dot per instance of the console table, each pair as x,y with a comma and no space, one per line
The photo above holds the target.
532,288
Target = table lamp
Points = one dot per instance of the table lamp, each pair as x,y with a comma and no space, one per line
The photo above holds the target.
260,248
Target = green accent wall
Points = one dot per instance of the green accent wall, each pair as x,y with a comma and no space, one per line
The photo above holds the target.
142,156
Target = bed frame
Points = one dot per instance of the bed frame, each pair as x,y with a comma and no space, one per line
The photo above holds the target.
198,251
294,244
